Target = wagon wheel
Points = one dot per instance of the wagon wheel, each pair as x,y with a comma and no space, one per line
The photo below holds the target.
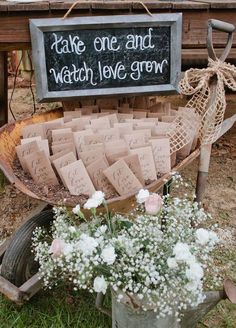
18,264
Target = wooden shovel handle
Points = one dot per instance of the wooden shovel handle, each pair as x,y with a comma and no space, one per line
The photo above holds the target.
223,27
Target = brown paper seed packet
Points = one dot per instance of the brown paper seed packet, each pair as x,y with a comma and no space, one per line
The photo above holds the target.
92,139
79,139
98,146
24,150
62,135
101,115
173,112
112,146
60,154
134,165
168,118
69,115
136,139
125,110
124,128
144,110
145,125
159,116
87,110
119,154
112,118
40,169
63,161
108,111
162,129
115,150
110,134
52,125
91,156
43,145
70,146
81,122
27,140
134,122
33,130
100,123
167,108
153,115
100,181
77,179
71,125
122,178
158,107
147,162
161,154
122,117
139,114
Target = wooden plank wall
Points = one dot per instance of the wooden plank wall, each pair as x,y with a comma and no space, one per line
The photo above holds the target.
15,16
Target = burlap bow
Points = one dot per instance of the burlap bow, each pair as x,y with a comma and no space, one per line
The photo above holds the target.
196,83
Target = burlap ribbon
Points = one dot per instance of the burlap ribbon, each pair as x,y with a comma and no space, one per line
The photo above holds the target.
196,83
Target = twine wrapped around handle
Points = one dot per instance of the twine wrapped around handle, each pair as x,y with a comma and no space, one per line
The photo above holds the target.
79,1
207,88
196,84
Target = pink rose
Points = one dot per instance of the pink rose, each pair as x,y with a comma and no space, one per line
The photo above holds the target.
153,204
57,247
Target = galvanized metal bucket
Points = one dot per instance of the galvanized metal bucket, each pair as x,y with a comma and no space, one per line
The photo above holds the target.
125,316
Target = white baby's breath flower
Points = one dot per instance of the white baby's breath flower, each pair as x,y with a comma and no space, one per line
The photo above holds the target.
68,248
76,209
100,285
108,255
192,286
164,267
142,195
87,244
171,262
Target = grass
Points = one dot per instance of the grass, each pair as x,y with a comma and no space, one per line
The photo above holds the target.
53,310
222,316
61,309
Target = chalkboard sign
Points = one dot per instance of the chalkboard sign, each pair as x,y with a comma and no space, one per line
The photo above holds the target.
106,55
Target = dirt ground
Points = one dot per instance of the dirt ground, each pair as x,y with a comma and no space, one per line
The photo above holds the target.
220,197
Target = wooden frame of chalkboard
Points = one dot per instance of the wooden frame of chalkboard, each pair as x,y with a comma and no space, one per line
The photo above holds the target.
106,55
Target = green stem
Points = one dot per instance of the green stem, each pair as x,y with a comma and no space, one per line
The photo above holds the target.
108,218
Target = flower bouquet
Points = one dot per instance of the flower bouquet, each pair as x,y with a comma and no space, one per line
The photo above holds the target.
155,260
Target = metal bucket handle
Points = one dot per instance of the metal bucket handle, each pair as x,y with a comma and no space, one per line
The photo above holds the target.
222,27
